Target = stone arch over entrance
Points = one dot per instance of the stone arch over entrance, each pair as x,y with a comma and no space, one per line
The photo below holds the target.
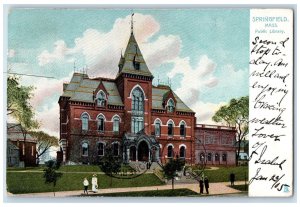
143,151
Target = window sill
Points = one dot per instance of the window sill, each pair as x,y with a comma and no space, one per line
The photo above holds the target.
170,137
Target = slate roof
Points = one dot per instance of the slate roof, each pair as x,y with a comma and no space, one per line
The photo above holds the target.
133,51
14,133
158,93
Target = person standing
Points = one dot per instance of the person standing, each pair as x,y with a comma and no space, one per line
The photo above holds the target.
201,185
206,184
85,185
95,183
232,179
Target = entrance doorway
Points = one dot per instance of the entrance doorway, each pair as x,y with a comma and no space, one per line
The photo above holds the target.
143,151
132,153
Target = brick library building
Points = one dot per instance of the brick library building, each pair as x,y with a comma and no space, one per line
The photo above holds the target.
139,121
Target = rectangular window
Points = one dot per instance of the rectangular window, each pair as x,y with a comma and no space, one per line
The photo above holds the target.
182,130
116,126
32,151
157,129
100,149
23,149
170,129
85,124
101,125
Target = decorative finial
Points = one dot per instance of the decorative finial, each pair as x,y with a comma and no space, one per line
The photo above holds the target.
132,23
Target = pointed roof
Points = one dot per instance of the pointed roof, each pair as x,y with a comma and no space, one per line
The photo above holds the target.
132,54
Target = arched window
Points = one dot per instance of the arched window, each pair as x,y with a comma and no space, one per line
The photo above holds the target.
170,151
116,124
137,100
209,157
171,105
100,149
202,157
101,99
170,128
85,149
224,157
100,123
217,157
137,105
182,129
115,149
182,152
85,121
157,128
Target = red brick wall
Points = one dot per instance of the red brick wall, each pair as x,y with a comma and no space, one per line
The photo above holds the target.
29,155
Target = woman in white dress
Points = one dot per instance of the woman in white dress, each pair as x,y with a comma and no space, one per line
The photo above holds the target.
95,183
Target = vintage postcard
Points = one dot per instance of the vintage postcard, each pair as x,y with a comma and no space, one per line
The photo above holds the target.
149,102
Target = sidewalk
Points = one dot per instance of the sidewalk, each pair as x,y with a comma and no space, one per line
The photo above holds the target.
214,189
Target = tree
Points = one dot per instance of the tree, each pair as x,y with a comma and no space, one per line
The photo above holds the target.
44,142
235,114
171,168
110,164
18,106
50,174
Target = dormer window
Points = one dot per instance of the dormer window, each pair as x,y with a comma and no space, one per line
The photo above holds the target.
101,101
136,65
171,106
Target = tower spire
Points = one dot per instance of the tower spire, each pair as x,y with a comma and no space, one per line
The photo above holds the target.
132,23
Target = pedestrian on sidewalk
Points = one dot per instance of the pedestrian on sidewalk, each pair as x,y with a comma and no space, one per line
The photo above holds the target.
85,185
232,179
201,185
206,184
95,183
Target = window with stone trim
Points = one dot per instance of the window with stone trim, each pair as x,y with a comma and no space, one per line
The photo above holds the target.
182,129
224,157
101,101
157,128
170,151
116,124
84,149
170,128
170,106
209,157
100,124
182,151
85,121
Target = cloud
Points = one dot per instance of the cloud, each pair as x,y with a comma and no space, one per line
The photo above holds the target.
101,51
49,119
193,80
11,53
205,111
59,53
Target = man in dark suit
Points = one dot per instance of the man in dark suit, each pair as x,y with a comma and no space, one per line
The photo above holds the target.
206,184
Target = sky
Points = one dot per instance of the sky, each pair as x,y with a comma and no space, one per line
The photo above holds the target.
204,52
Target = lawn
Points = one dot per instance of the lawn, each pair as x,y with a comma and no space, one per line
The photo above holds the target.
153,193
33,182
222,174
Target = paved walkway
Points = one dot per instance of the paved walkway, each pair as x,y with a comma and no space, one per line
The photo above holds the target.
214,189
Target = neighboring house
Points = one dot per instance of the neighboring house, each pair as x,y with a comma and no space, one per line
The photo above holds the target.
140,121
243,158
214,145
12,154
27,149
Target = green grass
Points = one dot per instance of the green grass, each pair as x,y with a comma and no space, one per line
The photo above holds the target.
153,193
33,182
240,187
222,174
